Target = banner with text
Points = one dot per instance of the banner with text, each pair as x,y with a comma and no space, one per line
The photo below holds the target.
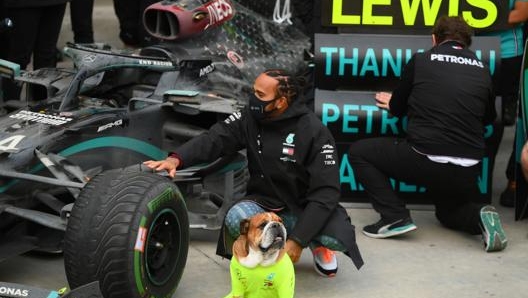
375,62
411,16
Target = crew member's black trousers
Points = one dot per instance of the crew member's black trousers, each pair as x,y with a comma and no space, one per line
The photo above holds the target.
508,88
35,32
130,15
453,189
81,20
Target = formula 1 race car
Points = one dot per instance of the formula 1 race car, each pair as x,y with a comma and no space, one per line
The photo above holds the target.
71,178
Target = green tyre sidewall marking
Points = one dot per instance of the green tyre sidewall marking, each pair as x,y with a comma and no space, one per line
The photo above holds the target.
166,200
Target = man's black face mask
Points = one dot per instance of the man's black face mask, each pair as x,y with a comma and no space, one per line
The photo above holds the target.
257,106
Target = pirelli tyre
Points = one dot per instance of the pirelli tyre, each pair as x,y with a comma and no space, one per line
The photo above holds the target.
130,232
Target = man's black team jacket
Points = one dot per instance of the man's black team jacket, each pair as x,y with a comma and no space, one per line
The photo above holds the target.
293,164
447,95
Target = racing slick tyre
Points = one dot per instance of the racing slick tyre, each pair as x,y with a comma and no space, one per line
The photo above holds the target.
129,231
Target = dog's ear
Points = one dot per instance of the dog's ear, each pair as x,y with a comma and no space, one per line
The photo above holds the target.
240,247
244,226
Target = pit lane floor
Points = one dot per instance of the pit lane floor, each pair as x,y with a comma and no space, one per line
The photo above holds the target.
430,262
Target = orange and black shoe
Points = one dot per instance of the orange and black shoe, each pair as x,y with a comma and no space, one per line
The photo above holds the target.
325,261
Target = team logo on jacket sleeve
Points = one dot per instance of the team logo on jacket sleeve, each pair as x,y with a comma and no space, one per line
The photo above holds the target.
233,117
328,151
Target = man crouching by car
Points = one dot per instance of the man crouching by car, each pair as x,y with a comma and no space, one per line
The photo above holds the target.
293,166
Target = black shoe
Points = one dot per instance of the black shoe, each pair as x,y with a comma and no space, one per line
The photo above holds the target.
383,229
509,112
507,197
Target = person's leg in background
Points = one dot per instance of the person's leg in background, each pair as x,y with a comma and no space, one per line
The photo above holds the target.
507,197
509,89
44,50
130,15
5,25
22,37
374,161
48,36
458,206
81,20
20,43
127,12
145,38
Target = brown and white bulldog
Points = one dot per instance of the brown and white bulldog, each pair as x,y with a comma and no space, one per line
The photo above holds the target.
260,266
261,241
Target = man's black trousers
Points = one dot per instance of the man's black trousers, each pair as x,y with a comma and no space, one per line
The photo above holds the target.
452,188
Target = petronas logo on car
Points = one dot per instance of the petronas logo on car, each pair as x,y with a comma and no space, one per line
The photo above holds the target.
12,292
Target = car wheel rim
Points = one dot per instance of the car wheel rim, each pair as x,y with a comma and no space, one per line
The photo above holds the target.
163,246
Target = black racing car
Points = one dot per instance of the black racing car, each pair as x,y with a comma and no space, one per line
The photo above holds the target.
71,178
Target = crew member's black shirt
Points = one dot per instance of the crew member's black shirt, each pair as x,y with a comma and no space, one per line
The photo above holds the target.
447,95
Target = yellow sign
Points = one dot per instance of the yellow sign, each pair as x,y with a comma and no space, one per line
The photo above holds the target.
480,14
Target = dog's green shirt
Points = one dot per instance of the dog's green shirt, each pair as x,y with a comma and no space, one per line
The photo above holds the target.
263,282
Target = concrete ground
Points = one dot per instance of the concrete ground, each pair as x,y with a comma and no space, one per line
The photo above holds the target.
430,262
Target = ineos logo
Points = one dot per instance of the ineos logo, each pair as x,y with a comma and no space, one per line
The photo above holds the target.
13,292
223,9
219,10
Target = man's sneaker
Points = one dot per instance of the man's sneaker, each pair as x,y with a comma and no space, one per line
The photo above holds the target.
325,261
383,229
492,232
